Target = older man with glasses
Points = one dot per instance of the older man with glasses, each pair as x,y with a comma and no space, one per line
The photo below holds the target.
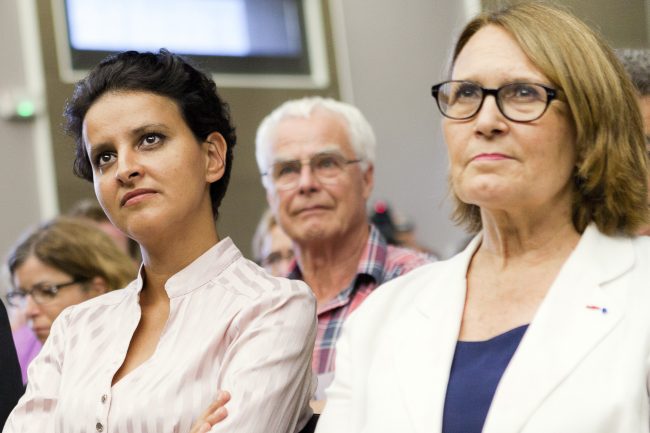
316,159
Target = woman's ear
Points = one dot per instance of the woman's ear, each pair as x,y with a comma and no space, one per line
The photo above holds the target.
98,286
215,156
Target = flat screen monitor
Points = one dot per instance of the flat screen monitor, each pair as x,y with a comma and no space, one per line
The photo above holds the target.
249,43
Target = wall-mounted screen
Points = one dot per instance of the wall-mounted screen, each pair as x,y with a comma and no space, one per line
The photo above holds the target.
276,43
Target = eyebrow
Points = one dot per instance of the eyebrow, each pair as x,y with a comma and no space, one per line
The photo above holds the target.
40,284
148,128
510,79
136,132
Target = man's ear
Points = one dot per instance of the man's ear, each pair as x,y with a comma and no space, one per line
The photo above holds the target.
98,286
368,180
216,147
271,199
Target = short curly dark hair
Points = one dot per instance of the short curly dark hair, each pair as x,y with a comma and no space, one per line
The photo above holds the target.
165,74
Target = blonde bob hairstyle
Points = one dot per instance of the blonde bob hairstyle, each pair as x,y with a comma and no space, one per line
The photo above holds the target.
610,173
78,248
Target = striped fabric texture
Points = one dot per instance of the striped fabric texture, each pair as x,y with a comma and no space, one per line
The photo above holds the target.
231,326
379,263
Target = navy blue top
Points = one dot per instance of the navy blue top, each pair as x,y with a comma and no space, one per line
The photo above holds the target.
475,373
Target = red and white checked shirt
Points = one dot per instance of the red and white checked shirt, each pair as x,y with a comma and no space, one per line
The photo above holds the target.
379,263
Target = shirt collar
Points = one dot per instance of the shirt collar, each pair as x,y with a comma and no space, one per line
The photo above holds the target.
371,265
373,259
203,269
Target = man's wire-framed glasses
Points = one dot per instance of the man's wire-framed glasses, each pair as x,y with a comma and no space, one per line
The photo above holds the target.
325,166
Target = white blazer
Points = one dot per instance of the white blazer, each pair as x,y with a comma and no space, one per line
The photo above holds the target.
582,365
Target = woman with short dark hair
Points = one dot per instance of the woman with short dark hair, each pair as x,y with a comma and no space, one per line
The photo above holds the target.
155,138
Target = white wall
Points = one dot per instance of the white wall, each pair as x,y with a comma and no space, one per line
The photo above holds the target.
389,54
27,193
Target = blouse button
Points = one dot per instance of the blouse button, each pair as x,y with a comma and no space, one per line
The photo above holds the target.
99,427
104,397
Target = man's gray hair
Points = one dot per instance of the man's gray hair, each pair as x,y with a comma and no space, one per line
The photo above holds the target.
637,63
360,133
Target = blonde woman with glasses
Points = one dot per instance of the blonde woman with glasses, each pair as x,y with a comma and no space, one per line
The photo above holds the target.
61,263
541,324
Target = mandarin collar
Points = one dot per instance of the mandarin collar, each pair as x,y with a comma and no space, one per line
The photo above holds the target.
204,268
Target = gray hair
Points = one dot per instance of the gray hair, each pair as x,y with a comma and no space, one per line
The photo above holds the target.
360,133
637,63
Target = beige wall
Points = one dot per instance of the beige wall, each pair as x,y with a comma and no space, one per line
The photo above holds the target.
394,52
26,180
624,23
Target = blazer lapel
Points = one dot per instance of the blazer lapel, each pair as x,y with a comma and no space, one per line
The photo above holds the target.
425,341
577,313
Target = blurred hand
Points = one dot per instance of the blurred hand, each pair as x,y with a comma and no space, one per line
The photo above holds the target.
214,414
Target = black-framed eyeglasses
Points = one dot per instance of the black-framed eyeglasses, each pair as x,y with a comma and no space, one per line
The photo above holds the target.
40,293
325,166
519,102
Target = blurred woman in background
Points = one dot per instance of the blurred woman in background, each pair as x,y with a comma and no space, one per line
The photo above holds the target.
272,247
93,212
61,263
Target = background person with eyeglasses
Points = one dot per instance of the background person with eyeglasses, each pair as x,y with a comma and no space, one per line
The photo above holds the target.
63,262
272,248
541,324
316,159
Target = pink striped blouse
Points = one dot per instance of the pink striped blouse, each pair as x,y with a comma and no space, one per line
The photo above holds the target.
231,326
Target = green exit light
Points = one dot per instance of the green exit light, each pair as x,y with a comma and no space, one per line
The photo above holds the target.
25,109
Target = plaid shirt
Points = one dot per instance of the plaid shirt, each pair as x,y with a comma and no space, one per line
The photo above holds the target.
379,263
